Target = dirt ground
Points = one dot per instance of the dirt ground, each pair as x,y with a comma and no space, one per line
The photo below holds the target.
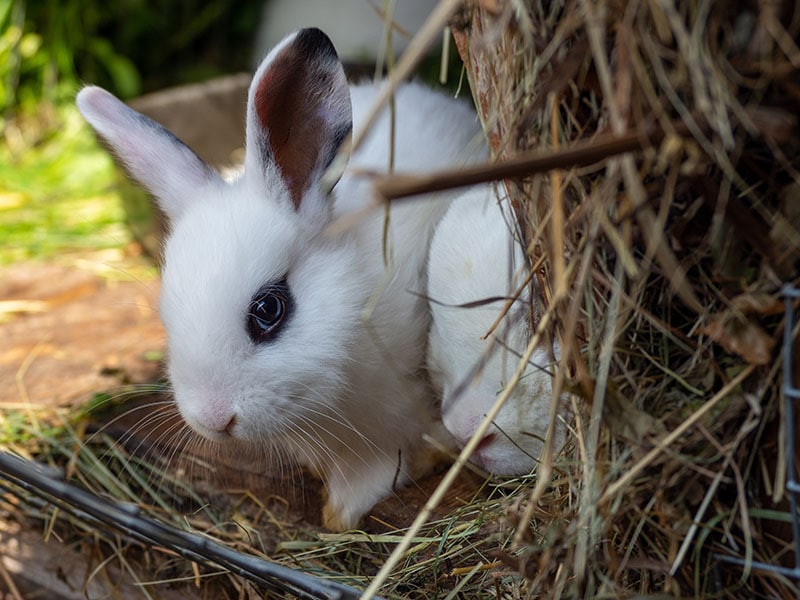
67,332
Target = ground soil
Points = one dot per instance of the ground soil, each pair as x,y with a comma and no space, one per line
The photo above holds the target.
67,332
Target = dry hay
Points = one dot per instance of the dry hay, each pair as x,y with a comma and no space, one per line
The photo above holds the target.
659,271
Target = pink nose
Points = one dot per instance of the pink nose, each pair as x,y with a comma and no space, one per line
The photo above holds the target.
478,456
214,424
231,424
485,442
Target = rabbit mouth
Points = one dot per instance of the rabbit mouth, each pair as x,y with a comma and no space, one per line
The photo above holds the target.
479,456
486,441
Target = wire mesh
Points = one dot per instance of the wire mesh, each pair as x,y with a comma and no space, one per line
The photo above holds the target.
791,395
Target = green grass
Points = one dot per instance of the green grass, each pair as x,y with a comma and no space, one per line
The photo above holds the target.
57,189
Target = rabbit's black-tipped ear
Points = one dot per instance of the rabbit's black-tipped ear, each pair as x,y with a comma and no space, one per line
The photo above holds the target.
298,112
158,160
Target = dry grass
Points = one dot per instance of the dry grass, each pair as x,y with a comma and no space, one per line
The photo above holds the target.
659,266
662,269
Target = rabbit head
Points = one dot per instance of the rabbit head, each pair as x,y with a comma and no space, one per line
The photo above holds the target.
474,266
259,306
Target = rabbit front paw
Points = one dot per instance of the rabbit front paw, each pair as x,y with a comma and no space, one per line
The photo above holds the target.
351,496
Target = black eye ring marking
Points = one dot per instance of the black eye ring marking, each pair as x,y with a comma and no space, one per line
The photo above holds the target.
269,311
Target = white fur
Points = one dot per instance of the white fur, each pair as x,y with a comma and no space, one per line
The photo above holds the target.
474,256
340,388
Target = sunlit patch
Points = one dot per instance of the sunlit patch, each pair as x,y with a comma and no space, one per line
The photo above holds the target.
9,200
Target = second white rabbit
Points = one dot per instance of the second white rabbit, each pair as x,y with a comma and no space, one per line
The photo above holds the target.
474,257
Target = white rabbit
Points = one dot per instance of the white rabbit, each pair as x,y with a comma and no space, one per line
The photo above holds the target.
474,256
265,307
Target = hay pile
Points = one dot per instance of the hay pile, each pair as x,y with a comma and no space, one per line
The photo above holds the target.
661,270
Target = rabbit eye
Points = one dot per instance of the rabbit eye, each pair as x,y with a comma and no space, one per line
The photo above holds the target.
268,311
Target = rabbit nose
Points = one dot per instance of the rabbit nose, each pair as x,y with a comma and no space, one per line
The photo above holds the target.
485,441
478,456
229,427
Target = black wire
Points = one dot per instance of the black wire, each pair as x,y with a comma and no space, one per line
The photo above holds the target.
49,485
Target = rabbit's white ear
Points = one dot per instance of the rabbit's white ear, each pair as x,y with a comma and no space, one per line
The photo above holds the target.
298,113
158,160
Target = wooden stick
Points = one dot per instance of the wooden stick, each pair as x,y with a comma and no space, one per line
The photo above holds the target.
581,154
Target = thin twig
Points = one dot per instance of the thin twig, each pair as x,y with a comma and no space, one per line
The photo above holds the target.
414,52
447,481
580,154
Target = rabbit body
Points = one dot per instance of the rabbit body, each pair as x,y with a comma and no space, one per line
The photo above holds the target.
281,332
475,257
